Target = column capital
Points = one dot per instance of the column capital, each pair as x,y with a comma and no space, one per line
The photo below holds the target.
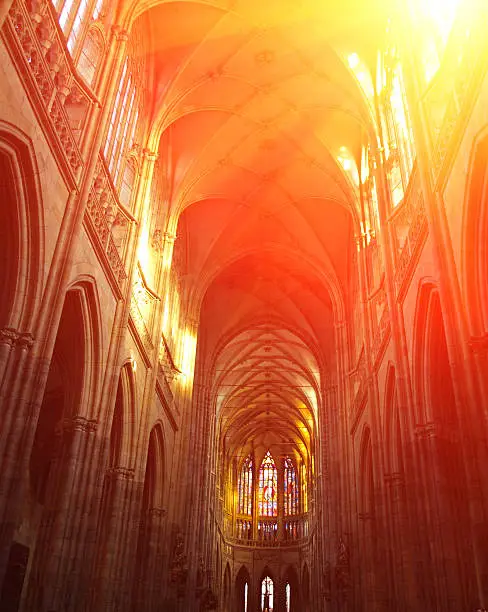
426,430
149,155
169,238
80,423
156,512
121,473
11,336
120,33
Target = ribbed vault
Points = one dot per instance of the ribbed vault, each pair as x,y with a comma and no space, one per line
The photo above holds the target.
261,125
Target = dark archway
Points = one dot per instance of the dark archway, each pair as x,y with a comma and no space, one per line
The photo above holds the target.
305,588
443,500
242,591
62,442
62,396
292,598
226,591
21,241
150,544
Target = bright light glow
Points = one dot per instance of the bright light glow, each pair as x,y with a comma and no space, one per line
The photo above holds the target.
246,589
434,19
167,254
267,594
188,355
353,61
143,253
362,74
347,162
442,13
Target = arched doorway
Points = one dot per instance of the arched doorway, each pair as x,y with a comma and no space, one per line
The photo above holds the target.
243,591
305,588
148,587
268,594
226,598
292,590
63,440
443,485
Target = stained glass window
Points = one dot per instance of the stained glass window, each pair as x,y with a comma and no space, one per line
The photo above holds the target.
245,487
268,489
290,488
267,595
288,596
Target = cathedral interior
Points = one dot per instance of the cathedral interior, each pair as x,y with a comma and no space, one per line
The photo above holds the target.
243,305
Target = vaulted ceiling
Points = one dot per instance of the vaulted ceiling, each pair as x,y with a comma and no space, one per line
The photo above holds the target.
255,105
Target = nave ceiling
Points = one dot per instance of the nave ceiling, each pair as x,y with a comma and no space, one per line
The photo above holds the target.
256,108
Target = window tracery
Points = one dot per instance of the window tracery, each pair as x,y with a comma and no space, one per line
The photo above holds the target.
396,124
121,142
267,594
245,487
290,488
268,485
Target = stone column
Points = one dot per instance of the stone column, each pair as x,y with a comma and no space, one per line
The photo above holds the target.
395,493
155,550
255,497
16,426
472,421
281,499
403,383
59,553
117,536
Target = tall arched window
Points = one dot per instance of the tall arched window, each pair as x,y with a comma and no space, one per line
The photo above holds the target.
268,490
287,596
75,17
267,595
245,487
397,131
124,121
246,592
290,488
90,56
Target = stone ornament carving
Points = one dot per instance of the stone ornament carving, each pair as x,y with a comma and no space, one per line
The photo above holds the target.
326,579
179,563
156,513
80,423
121,473
343,570
12,337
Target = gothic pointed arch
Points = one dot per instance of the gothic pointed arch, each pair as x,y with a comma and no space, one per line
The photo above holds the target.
392,426
433,383
226,589
267,590
292,596
21,236
122,442
71,382
243,590
305,587
154,480
475,237
366,475
147,585
268,487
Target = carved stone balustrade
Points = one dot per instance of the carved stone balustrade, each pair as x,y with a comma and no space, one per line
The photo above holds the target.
59,96
108,223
